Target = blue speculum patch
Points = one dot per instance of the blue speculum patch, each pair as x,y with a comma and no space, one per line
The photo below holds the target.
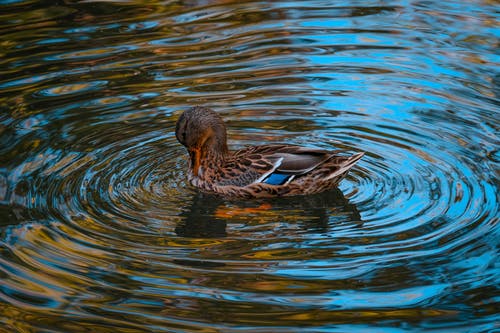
277,179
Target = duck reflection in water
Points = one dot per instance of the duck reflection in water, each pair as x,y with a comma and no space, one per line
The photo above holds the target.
208,215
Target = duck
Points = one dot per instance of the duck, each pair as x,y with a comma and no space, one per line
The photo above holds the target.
263,171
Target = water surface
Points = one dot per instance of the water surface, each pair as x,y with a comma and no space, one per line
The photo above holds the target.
99,231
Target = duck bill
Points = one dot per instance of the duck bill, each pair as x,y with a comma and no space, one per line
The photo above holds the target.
195,154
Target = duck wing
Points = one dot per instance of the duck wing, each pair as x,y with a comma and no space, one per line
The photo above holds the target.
276,164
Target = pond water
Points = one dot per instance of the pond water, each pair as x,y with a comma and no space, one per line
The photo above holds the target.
100,232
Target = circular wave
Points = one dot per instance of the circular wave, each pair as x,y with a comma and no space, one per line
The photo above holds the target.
102,228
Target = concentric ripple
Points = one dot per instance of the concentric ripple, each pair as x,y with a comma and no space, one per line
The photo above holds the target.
100,232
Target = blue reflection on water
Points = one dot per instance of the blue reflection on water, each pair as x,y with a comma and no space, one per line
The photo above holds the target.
97,219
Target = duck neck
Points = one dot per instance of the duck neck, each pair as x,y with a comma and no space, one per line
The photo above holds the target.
214,158
215,147
210,157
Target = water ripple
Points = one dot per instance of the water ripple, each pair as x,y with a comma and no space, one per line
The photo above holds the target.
72,88
100,232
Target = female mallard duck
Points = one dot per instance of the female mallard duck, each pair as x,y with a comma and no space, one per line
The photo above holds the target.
254,172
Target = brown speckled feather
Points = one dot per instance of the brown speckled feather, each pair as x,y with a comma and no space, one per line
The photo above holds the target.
258,171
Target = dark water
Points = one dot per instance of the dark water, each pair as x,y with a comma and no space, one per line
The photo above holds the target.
99,231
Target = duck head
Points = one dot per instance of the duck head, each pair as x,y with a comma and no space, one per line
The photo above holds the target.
203,133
